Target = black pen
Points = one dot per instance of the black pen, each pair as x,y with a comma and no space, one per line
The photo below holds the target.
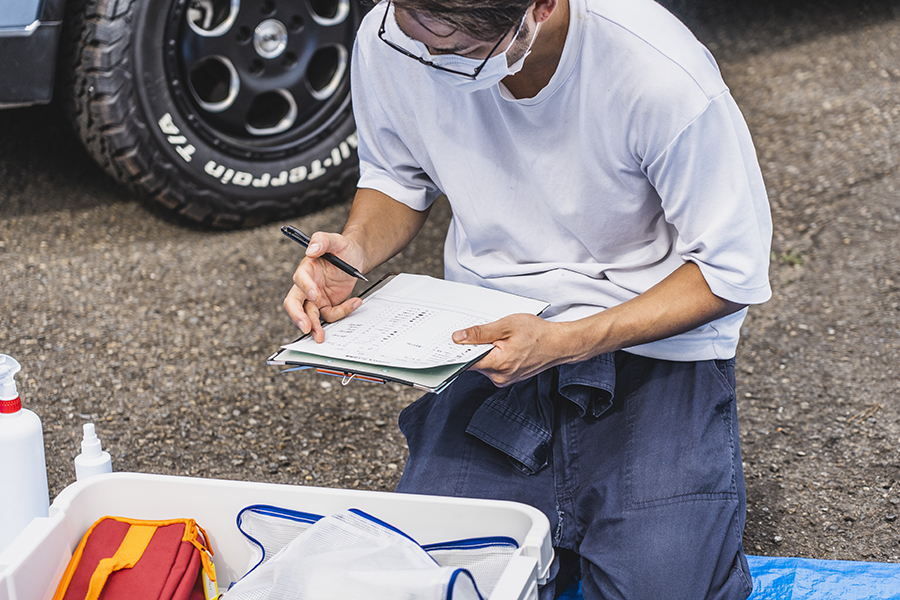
303,239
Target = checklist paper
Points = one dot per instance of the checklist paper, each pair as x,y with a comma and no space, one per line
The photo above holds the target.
410,320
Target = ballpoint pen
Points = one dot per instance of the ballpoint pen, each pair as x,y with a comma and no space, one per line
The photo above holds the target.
303,239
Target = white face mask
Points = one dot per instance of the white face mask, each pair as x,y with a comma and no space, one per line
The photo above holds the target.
495,69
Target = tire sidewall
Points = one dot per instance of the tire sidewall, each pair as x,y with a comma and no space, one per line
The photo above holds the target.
324,160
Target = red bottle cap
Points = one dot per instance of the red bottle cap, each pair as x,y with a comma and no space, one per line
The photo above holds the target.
10,406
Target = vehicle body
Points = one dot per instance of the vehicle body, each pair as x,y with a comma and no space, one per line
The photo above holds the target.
29,34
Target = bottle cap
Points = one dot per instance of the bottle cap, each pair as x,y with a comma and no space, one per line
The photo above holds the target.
8,407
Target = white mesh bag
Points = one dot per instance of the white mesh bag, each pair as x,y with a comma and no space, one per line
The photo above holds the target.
270,528
485,558
351,555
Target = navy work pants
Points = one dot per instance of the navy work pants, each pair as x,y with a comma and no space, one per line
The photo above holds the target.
635,461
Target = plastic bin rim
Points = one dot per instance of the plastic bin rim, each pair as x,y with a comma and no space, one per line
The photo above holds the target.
536,544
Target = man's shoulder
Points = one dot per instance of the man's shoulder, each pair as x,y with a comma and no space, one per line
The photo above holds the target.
654,41
373,53
367,34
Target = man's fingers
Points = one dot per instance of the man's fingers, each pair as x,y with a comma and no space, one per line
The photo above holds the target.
312,313
335,313
494,365
304,282
321,242
479,334
329,314
293,305
318,244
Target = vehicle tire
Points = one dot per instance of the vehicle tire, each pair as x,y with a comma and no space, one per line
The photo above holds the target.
227,113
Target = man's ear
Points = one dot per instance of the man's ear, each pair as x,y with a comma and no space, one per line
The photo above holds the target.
543,9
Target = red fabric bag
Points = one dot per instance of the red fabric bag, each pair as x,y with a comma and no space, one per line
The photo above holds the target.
121,558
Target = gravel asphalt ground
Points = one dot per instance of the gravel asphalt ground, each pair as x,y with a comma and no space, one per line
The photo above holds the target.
159,333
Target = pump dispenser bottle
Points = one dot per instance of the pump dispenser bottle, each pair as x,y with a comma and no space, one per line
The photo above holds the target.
92,460
23,471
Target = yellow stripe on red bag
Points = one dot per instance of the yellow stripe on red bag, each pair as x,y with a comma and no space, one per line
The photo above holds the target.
136,541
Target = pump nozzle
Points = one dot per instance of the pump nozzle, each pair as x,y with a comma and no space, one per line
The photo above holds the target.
90,445
9,395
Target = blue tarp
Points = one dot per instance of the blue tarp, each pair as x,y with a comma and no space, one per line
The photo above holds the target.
776,578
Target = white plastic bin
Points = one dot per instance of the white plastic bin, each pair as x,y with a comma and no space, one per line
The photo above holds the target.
33,564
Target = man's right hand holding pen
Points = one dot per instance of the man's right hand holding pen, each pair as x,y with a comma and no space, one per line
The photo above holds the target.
377,228
321,290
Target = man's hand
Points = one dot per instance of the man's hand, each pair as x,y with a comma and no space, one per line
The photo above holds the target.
524,345
378,227
320,289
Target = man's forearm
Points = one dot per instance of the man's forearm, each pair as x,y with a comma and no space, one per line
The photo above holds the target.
525,345
381,226
679,303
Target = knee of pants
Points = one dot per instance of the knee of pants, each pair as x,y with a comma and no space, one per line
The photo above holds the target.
685,550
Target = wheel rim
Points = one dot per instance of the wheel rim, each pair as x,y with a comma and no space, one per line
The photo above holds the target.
260,77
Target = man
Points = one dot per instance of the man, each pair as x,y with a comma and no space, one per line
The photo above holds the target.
594,158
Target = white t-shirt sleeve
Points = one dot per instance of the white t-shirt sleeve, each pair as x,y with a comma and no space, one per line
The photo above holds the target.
713,193
386,163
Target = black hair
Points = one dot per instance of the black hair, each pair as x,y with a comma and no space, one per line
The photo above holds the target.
485,20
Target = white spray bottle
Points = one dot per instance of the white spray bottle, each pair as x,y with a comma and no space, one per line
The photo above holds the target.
92,460
23,472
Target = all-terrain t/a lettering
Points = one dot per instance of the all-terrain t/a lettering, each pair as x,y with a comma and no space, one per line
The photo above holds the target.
316,169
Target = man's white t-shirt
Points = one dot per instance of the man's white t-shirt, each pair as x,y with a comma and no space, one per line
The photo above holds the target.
631,161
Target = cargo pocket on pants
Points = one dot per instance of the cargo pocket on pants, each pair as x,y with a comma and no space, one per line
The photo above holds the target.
680,435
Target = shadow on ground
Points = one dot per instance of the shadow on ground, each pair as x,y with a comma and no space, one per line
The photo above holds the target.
40,154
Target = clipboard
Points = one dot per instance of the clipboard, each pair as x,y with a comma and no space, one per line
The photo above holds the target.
430,379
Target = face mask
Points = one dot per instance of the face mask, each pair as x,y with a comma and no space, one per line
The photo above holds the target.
495,69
